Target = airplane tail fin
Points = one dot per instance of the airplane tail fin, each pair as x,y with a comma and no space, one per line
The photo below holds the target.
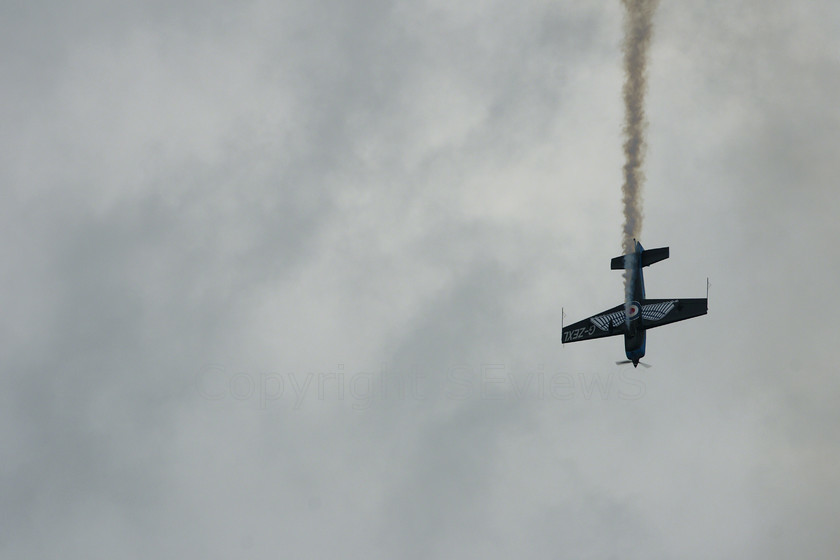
649,256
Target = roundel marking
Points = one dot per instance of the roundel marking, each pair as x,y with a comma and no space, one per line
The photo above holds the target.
633,310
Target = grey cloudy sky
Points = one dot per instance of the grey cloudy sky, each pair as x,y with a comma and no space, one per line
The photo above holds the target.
285,279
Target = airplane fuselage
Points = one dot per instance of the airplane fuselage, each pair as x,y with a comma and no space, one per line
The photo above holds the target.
634,338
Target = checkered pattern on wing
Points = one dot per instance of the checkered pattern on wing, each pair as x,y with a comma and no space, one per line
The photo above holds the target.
656,311
603,322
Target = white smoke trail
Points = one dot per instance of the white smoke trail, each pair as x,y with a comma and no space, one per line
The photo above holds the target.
638,28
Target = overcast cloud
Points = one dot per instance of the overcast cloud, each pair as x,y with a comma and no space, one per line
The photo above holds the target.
284,279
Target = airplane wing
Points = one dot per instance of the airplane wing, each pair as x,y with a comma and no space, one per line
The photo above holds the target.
658,312
606,323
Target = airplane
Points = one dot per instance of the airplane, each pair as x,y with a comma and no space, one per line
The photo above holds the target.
637,314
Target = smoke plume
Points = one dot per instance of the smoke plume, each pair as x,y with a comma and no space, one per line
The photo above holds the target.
638,28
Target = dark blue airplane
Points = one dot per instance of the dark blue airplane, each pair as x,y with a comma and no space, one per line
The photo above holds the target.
637,314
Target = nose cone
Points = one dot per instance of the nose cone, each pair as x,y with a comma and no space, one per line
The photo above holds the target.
635,363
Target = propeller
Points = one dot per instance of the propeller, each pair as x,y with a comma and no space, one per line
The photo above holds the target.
622,362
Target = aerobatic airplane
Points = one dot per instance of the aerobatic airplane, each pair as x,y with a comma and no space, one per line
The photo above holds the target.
638,314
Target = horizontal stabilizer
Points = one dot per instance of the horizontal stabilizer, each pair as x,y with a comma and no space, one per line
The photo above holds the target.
617,263
649,256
